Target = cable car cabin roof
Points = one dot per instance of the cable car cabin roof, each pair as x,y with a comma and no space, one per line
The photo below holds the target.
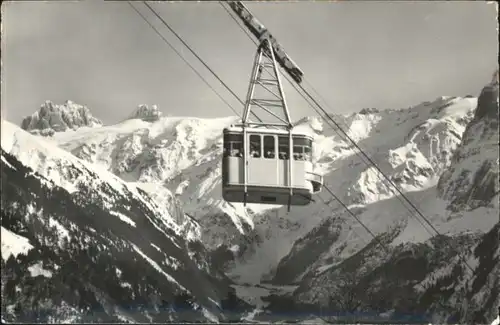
261,130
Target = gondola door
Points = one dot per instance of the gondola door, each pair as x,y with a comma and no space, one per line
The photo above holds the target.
254,156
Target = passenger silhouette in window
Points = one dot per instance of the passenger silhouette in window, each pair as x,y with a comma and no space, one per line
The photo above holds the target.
255,146
233,145
283,147
236,153
254,153
298,153
307,153
269,147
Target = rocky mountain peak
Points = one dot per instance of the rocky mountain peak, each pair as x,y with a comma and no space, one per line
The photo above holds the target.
51,118
146,113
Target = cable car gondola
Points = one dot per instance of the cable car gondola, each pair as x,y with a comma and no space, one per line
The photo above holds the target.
267,163
269,175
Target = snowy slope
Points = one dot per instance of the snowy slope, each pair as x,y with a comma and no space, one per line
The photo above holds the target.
58,210
180,157
183,155
67,171
415,152
138,150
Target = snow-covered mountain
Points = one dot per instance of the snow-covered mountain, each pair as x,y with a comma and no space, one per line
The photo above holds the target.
334,268
80,244
437,152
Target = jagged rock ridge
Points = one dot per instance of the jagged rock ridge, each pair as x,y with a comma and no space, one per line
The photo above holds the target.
146,113
53,118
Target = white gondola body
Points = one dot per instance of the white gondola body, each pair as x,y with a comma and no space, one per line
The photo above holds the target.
268,169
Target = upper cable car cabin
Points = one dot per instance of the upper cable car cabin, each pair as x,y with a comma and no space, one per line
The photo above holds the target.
263,163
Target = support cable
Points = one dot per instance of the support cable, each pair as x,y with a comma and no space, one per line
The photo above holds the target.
194,53
364,157
183,59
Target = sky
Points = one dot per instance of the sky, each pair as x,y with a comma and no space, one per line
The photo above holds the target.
355,54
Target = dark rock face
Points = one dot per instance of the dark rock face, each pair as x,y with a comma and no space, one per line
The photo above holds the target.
306,251
472,180
427,282
53,118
